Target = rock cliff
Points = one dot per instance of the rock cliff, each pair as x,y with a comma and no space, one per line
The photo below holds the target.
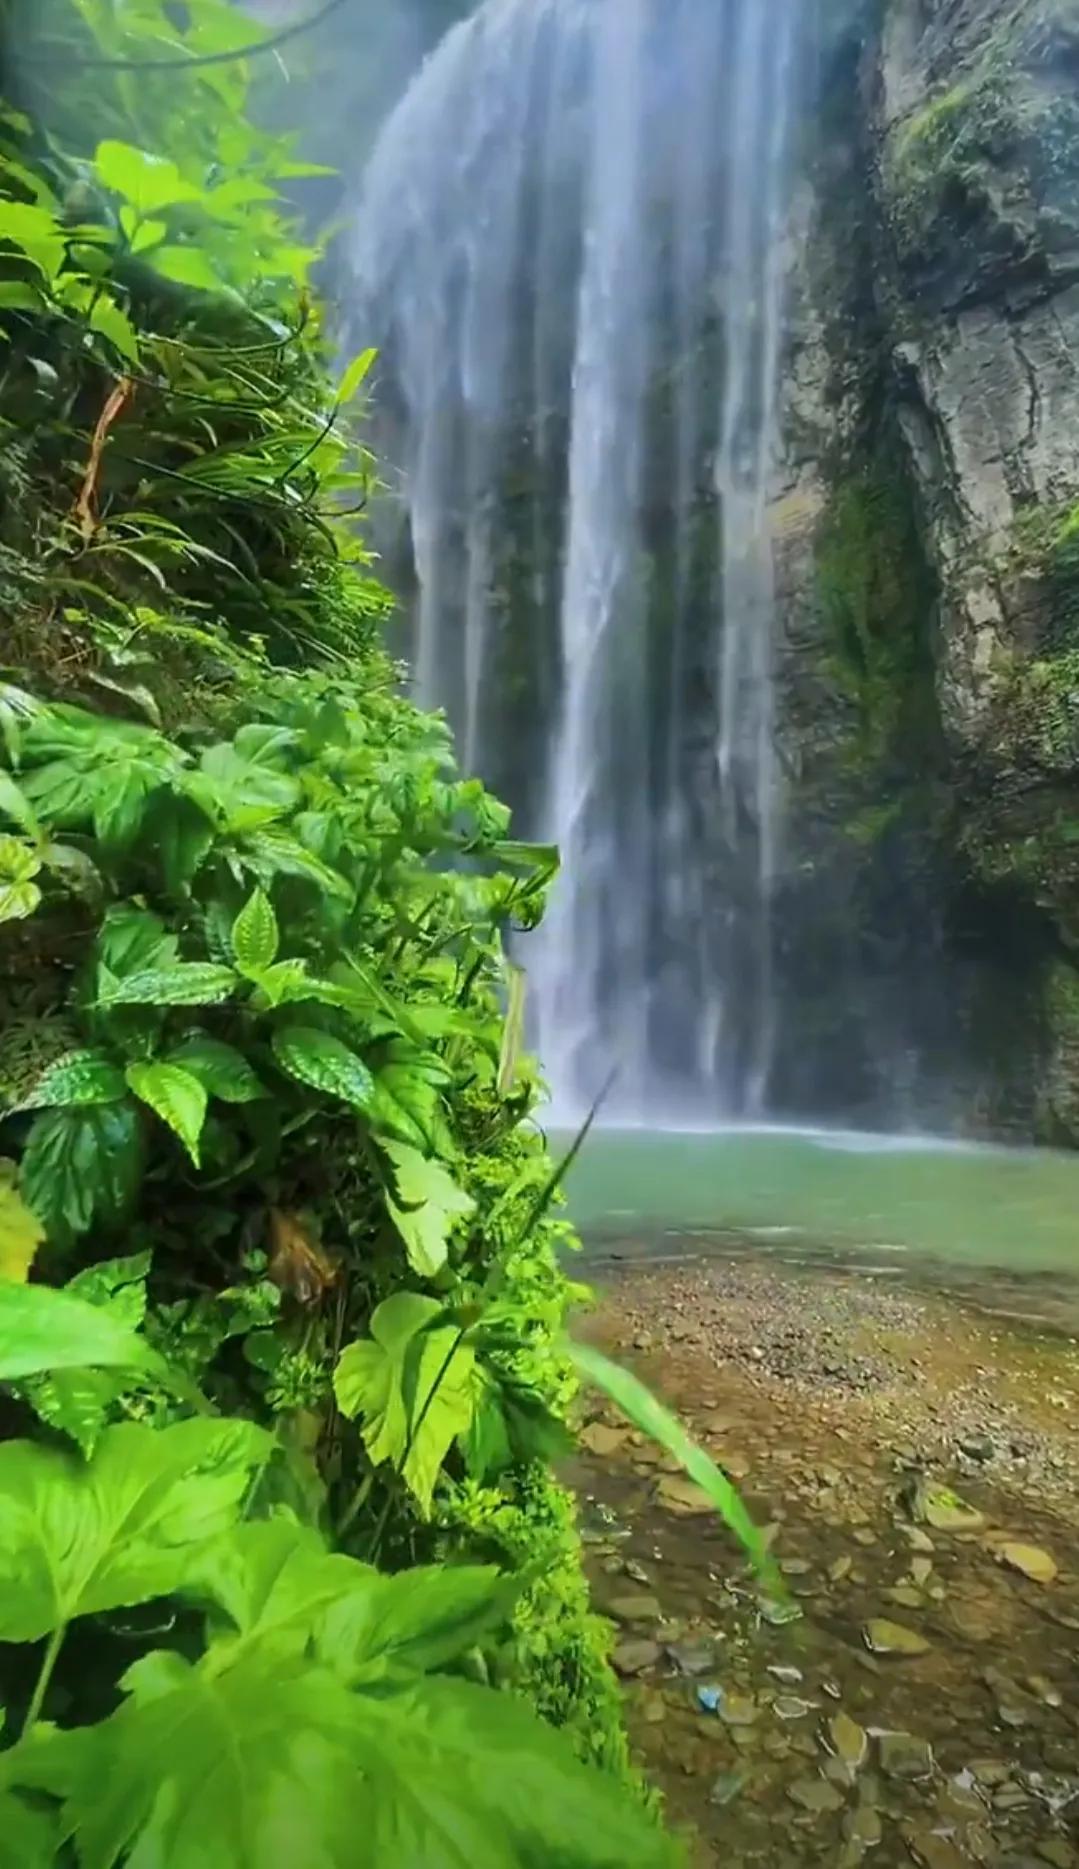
928,536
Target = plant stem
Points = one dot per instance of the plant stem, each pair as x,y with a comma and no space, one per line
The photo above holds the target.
41,1686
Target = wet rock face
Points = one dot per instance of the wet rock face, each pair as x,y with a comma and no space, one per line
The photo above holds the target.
927,526
977,126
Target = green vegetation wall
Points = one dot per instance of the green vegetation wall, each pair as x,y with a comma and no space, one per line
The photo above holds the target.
280,1291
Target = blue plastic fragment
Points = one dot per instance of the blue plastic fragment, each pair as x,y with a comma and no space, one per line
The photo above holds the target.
709,1698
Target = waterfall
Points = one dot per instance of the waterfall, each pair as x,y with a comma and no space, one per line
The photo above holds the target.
569,249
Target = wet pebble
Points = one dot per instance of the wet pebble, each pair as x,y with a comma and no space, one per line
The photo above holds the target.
904,1756
815,1795
893,1638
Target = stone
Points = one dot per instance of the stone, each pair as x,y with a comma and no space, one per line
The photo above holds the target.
893,1638
902,1755
847,1740
840,1567
601,1440
789,1676
1057,1852
738,1710
863,1826
815,1795
726,1788
976,1447
906,1595
693,1657
921,1569
682,1496
791,1707
631,1658
932,1851
795,1567
1031,1560
640,1608
946,1512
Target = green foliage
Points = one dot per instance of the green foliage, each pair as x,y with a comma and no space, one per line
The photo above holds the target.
271,1128
413,1381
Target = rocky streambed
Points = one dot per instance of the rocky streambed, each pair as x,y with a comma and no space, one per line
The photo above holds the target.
913,1695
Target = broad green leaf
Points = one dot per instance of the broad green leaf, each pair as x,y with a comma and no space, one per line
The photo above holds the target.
121,806
132,940
82,1166
187,266
274,1580
222,1070
642,1408
175,1095
148,182
81,1077
21,1232
78,1401
15,805
34,230
274,1760
414,1385
254,934
18,901
318,1059
273,853
419,1620
107,317
185,983
29,1833
19,860
355,375
78,1537
277,1582
43,1329
428,1202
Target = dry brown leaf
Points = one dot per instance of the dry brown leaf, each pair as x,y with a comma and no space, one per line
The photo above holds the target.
298,1264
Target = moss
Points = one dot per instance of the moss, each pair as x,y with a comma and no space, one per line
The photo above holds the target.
876,596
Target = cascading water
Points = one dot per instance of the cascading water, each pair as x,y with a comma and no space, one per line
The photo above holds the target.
570,251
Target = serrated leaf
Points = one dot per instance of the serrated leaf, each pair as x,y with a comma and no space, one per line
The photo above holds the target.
80,1077
255,937
19,860
82,1166
78,1537
21,1232
175,1095
428,1202
273,853
222,1070
275,1759
107,317
324,1063
42,1329
187,266
79,1401
185,983
120,806
15,805
18,901
132,940
147,181
414,1383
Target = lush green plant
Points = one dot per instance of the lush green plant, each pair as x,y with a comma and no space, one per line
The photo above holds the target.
310,1699
267,1149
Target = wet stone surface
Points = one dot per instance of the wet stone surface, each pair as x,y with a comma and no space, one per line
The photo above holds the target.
913,1695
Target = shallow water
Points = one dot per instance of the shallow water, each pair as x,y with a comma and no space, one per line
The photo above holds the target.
1012,1209
829,1398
